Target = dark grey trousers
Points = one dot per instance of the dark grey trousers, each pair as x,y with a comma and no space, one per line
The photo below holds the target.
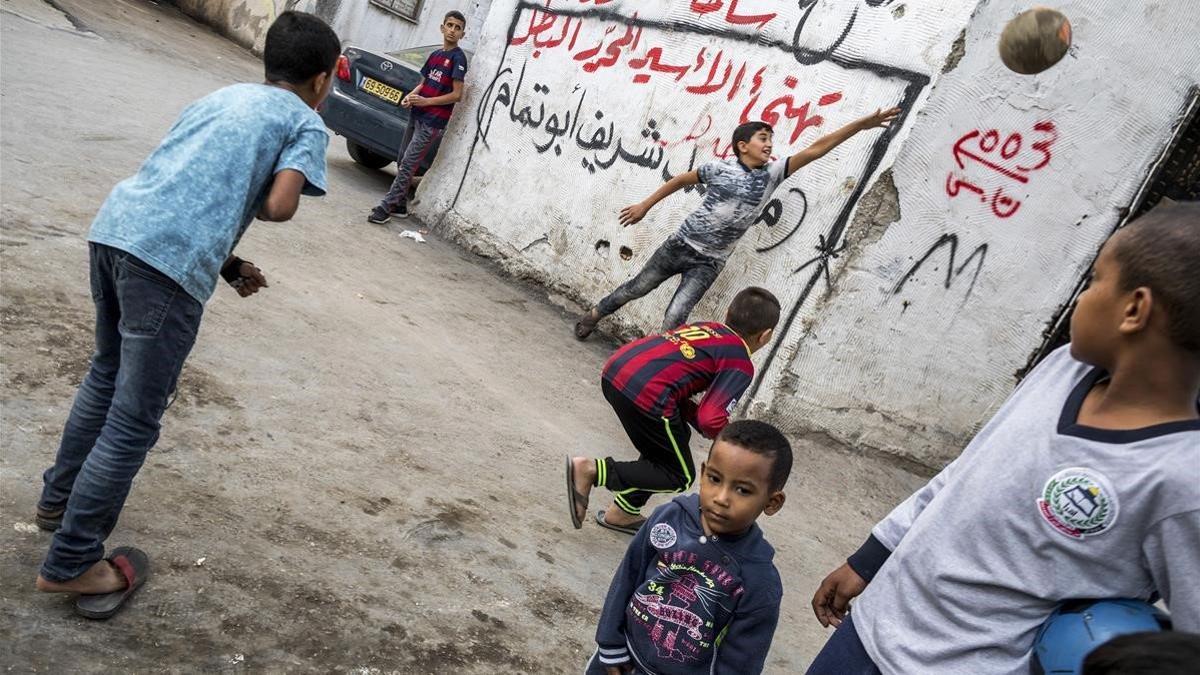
698,272
421,137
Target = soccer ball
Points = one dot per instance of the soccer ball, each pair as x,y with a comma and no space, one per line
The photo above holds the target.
1077,627
1035,40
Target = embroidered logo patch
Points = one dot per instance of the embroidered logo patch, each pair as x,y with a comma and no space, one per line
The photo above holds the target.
662,536
688,351
1079,503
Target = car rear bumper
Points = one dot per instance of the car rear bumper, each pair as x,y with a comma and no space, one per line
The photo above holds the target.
380,131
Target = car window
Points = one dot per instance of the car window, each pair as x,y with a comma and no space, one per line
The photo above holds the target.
416,56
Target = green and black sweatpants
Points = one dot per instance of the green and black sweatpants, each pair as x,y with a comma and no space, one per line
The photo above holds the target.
664,464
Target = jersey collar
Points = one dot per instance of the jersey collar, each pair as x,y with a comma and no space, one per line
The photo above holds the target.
722,325
1068,421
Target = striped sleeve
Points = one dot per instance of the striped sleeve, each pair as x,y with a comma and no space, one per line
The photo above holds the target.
722,397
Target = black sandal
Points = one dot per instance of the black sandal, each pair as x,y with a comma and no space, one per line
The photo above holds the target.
574,500
631,528
134,565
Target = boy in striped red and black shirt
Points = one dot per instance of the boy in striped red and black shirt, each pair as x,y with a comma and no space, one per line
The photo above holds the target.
431,106
649,384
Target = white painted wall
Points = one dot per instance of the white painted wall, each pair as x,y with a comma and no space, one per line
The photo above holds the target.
917,371
365,25
556,196
356,22
913,371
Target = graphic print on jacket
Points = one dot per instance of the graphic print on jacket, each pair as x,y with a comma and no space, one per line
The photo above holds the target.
682,603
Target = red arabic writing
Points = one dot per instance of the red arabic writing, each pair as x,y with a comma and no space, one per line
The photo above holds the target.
703,71
997,163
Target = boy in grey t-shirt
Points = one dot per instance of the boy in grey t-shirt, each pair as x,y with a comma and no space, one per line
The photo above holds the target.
737,190
1086,484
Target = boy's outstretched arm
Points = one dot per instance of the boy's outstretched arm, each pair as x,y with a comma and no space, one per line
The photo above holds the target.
284,197
634,213
819,148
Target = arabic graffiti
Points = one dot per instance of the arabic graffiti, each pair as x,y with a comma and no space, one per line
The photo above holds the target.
700,69
995,160
594,136
583,87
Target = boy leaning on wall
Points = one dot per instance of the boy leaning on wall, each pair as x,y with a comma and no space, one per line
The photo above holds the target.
431,106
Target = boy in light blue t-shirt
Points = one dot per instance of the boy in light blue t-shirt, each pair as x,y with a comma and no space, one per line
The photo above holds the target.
156,248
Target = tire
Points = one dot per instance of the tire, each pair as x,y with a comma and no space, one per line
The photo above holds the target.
367,158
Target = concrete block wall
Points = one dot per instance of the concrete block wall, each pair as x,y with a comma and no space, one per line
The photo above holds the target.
1007,185
918,267
356,22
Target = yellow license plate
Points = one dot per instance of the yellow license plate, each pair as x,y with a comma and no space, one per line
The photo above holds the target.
389,94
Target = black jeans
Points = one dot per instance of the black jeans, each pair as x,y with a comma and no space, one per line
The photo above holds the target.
673,257
664,463
145,327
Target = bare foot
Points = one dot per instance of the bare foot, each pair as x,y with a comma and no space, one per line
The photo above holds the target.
586,324
100,578
615,516
584,471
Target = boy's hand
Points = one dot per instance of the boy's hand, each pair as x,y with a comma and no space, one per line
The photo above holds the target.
413,100
835,593
250,280
879,118
632,214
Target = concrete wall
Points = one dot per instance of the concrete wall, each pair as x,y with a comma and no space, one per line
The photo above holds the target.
917,267
1008,185
356,21
359,23
246,21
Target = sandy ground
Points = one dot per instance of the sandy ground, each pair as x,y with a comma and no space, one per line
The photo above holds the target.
366,456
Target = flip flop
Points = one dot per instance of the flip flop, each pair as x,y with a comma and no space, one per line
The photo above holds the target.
574,499
134,564
49,520
632,528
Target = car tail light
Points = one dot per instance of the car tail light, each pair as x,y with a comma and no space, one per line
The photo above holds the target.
343,68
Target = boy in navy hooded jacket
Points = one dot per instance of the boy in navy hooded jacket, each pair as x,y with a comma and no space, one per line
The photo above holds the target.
697,591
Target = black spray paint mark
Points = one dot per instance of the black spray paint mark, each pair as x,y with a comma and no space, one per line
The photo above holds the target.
950,240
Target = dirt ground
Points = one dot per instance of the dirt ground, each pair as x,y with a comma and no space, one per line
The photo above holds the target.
366,456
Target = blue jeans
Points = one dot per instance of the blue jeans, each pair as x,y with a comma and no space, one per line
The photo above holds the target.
697,272
145,327
843,654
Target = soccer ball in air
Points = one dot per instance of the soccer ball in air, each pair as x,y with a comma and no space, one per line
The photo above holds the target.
1035,40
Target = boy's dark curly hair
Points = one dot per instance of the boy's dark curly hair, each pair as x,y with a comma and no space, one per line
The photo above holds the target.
1161,251
762,439
298,47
